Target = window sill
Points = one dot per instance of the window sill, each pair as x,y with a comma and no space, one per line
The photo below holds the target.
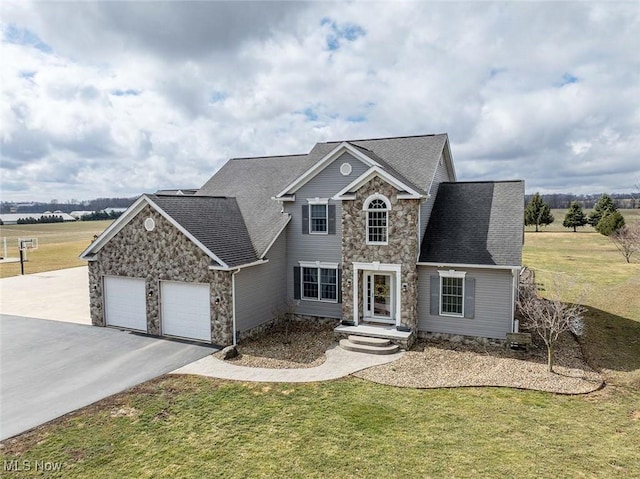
452,315
316,300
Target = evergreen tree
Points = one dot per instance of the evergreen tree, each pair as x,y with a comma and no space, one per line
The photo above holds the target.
610,223
603,206
575,217
537,212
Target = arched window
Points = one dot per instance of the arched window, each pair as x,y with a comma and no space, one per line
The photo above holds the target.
377,208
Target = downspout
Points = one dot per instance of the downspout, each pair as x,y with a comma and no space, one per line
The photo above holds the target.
233,305
515,275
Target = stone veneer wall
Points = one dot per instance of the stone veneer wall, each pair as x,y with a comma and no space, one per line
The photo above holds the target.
162,254
402,248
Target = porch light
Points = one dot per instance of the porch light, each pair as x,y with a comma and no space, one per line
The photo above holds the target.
404,287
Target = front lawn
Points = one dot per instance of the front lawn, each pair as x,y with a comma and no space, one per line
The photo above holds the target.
186,426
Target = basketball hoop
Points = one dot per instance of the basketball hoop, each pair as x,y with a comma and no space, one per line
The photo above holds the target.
26,244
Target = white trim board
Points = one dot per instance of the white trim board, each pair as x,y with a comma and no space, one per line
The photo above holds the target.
346,193
344,147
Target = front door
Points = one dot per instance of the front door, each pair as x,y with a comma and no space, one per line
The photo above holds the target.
378,297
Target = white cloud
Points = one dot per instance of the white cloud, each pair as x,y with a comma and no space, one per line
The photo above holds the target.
103,99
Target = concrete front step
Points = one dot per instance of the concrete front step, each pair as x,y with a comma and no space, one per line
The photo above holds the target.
369,341
367,348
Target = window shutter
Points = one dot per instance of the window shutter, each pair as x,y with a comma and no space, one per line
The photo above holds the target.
305,219
339,285
469,297
296,282
331,213
434,303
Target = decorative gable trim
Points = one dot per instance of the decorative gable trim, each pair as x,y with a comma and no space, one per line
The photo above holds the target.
131,213
308,175
407,192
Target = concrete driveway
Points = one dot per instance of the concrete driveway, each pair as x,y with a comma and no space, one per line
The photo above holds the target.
61,295
50,368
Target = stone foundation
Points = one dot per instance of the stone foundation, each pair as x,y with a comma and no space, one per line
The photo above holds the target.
457,338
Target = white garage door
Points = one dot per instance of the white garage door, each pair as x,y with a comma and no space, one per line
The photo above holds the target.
186,310
124,302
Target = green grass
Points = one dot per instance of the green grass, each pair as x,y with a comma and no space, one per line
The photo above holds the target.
59,245
612,338
200,427
181,426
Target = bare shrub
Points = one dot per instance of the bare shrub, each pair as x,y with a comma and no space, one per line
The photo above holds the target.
627,240
549,317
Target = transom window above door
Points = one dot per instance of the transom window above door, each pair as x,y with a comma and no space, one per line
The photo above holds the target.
377,207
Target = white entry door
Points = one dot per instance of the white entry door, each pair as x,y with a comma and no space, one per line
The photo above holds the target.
124,302
379,297
186,310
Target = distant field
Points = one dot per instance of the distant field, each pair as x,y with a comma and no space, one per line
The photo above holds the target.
629,216
59,245
612,339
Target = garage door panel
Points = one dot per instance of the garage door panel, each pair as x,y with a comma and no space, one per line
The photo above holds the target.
186,310
125,303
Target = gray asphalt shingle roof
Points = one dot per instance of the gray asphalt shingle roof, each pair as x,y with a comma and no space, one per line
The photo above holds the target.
254,181
476,223
214,221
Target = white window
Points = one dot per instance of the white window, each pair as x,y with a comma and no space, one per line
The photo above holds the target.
377,208
452,293
320,284
318,216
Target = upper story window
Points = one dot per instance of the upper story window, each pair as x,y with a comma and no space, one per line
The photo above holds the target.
377,208
318,218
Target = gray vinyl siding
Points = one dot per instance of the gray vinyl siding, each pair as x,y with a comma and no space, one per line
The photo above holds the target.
261,289
493,304
440,176
314,247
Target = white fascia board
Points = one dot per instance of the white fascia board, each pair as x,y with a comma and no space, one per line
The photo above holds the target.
238,268
318,264
115,227
323,163
368,176
276,237
284,198
472,266
193,239
449,158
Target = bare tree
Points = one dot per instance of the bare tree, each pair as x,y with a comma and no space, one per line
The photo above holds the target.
627,240
549,317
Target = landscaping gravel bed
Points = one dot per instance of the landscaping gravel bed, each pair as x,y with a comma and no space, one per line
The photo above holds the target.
432,363
441,363
301,346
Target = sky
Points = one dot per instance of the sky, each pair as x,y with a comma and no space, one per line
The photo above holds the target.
112,99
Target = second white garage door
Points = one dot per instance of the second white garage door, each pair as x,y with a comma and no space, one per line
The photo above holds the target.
186,310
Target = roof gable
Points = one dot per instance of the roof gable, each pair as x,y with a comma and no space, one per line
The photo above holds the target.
406,191
213,224
477,223
344,147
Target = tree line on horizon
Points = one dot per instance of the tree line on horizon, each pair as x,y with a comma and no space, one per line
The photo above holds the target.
97,204
562,201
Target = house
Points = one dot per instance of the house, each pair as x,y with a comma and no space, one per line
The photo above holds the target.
13,218
377,234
